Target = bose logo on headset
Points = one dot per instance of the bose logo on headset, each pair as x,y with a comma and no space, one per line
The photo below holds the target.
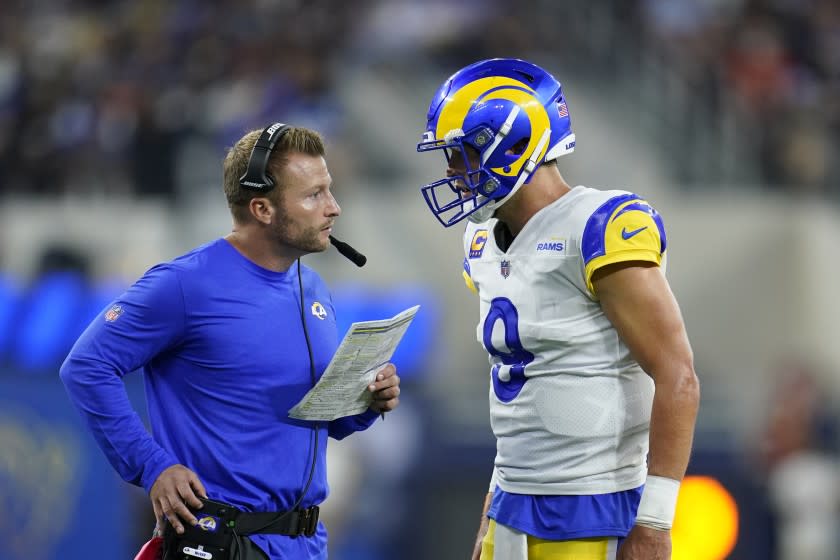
252,184
273,128
256,176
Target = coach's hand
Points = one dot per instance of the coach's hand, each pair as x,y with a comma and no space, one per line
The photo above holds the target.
176,488
644,543
385,389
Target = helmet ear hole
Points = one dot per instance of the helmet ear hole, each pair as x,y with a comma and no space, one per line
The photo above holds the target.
519,147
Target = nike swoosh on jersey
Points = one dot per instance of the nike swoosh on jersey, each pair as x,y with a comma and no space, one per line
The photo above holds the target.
628,234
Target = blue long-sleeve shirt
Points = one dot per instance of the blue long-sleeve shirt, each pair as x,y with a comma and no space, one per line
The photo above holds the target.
222,348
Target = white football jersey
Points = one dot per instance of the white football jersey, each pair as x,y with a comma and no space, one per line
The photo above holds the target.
569,406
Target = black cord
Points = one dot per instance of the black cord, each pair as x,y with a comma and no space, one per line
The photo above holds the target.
313,379
314,424
238,541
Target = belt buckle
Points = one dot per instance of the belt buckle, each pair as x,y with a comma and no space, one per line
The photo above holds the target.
309,521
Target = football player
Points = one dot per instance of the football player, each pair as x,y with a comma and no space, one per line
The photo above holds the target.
593,394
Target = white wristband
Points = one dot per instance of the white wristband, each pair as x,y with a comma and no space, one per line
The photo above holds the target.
659,502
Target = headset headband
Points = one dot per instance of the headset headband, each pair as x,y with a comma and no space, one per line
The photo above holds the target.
256,177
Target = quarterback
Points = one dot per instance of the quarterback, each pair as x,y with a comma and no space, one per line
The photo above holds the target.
593,394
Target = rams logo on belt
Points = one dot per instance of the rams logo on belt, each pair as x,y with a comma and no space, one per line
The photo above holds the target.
208,523
319,311
477,244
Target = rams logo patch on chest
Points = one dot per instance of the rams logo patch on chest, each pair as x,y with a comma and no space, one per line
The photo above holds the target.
319,311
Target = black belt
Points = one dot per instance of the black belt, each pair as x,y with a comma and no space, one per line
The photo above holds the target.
293,523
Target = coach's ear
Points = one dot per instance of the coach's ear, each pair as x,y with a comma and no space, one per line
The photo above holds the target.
262,209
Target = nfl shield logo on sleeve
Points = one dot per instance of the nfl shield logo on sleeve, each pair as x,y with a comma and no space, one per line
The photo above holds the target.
505,269
114,313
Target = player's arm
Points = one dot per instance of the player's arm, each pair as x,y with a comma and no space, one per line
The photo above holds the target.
639,303
483,525
623,246
637,299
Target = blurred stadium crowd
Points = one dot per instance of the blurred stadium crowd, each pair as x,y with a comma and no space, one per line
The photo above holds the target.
104,97
114,98
117,96
764,75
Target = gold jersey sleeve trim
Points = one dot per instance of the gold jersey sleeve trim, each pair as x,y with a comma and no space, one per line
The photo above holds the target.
645,255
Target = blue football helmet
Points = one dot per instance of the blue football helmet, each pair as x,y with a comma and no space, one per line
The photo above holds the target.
513,114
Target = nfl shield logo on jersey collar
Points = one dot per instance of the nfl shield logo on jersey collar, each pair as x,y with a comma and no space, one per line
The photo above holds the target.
504,268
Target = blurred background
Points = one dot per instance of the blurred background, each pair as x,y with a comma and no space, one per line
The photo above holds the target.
724,114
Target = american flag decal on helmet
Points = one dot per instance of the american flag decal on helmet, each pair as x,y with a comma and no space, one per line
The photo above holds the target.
562,109
504,268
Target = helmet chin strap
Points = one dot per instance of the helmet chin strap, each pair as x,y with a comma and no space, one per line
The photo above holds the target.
485,212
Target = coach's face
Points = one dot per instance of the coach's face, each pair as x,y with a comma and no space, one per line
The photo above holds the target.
306,209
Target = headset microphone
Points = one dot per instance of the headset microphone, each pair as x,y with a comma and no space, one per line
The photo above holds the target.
349,252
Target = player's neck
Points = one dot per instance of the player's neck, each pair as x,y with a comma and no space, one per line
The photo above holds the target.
546,186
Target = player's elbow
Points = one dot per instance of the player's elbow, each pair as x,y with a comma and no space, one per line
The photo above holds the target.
686,385
676,380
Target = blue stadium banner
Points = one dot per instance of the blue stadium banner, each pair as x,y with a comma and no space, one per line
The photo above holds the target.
60,498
